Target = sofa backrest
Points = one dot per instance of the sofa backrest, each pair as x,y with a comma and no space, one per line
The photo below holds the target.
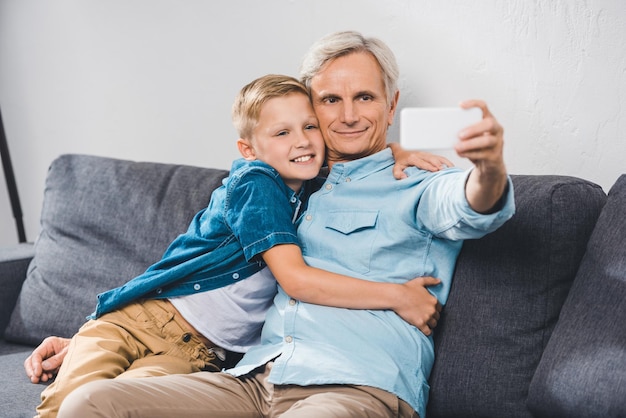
506,296
103,222
582,372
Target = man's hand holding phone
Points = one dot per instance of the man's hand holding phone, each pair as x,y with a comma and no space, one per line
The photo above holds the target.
435,128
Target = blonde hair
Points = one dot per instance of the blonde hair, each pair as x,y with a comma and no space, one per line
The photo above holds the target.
252,97
339,44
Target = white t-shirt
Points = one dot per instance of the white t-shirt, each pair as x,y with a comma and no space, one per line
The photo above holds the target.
231,316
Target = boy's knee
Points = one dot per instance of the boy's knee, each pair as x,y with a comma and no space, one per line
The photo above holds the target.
89,400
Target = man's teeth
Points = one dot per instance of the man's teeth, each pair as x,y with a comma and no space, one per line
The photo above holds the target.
302,159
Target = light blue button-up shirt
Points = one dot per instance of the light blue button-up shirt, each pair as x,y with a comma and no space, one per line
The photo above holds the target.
365,223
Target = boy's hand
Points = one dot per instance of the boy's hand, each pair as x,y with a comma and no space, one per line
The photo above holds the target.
419,159
45,360
418,306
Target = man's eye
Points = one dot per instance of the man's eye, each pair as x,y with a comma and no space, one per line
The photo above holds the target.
330,100
366,98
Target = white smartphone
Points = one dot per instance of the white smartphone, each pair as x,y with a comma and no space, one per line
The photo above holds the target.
434,128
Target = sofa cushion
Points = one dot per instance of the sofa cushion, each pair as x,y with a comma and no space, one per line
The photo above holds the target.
583,370
19,397
14,262
103,222
506,296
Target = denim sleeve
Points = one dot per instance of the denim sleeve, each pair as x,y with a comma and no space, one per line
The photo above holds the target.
259,212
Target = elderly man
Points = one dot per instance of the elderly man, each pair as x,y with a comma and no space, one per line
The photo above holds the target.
320,361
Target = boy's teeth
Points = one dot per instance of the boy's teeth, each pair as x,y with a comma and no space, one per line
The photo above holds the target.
302,159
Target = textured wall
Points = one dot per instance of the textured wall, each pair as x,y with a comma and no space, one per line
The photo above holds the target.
154,79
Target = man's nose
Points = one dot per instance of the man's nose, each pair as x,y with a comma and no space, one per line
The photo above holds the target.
349,114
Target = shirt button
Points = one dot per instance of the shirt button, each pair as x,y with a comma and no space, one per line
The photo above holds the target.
293,199
292,302
348,179
159,291
308,217
196,286
288,339
186,337
235,276
328,186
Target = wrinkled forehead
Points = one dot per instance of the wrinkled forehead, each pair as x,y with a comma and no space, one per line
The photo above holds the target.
354,73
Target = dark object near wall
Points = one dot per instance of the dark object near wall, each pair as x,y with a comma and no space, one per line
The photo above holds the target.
11,185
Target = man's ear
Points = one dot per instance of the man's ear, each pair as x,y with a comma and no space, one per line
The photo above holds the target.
246,149
393,106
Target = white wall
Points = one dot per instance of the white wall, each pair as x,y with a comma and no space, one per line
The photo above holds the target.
154,79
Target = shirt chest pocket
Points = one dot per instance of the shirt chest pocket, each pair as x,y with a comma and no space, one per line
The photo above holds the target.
353,234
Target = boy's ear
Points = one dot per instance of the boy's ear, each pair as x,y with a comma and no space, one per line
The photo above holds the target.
246,149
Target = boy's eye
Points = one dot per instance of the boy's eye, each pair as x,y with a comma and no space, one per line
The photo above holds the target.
310,126
282,133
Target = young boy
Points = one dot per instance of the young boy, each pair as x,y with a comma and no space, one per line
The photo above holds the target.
205,300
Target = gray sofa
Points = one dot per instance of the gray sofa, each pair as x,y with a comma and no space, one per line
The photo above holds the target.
535,325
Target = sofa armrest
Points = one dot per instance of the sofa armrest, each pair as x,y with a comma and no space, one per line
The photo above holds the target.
14,263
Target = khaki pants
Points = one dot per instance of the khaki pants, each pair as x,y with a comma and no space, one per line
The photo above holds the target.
220,395
147,338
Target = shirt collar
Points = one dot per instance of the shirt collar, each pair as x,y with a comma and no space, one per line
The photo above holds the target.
363,167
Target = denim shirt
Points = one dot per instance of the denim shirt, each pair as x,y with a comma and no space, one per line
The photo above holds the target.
251,212
365,223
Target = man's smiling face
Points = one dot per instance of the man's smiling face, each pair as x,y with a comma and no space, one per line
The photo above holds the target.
350,102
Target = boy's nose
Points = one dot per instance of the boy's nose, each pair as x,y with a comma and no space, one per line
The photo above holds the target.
302,139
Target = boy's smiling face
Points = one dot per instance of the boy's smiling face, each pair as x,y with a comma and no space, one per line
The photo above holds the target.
287,137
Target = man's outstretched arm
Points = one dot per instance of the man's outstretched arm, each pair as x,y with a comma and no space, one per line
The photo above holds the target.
482,143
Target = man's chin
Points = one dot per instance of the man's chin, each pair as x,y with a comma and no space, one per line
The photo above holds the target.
351,154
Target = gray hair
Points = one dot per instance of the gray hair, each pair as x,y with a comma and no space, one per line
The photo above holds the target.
338,44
